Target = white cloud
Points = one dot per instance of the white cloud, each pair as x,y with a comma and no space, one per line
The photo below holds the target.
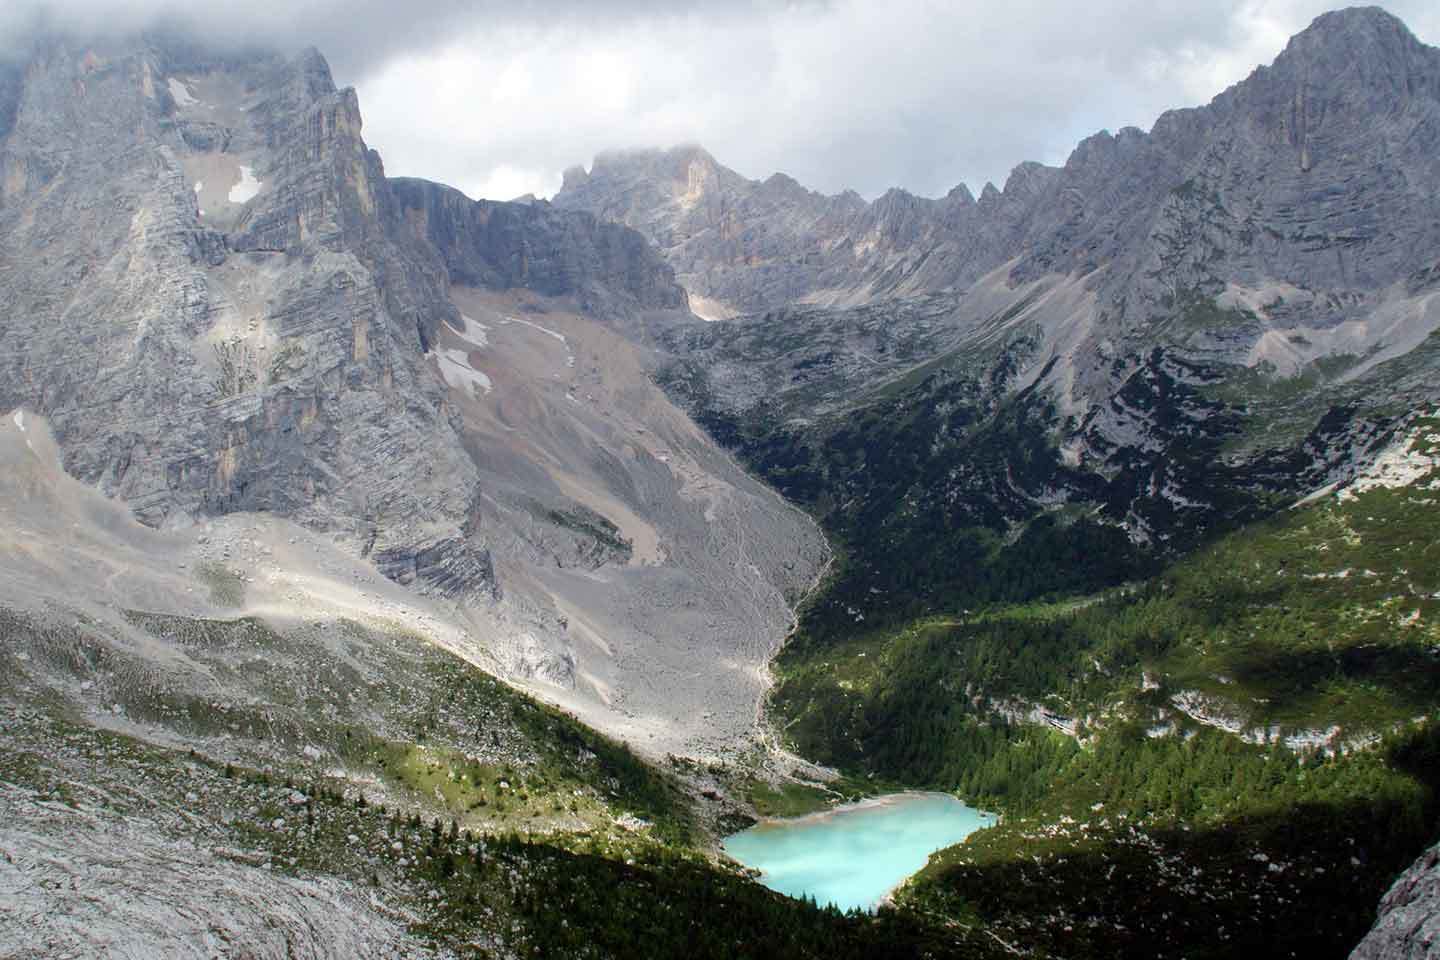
917,93
507,183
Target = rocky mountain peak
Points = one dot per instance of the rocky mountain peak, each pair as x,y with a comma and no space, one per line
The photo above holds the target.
313,71
1364,36
1346,64
692,154
574,178
1100,151
960,194
784,183
1028,179
680,163
897,198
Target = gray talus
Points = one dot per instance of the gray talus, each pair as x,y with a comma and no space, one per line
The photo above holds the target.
221,305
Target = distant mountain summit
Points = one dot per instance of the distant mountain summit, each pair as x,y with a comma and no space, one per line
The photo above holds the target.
1177,328
1324,162
737,244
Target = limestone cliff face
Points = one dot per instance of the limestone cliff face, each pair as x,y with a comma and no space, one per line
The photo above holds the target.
1227,304
222,304
1408,927
607,269
1319,171
201,296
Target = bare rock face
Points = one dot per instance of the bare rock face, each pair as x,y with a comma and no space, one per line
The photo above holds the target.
610,271
222,308
742,246
1408,927
1197,317
737,243
1321,167
201,297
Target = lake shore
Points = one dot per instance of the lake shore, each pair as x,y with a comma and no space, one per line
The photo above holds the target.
855,854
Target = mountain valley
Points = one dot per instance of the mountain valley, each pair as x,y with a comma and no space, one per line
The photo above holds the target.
389,573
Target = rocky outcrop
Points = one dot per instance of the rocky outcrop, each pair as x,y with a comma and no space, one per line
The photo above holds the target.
1226,309
224,310
250,344
1319,171
609,270
1408,927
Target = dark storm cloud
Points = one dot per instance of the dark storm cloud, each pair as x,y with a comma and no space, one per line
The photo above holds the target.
356,35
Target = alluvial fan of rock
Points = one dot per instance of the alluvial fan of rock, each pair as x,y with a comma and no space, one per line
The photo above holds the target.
221,306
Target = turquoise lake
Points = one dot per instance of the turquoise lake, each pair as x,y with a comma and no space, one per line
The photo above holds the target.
854,855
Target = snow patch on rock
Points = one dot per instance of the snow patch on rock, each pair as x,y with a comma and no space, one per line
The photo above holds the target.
473,332
1400,464
455,368
545,330
248,187
180,93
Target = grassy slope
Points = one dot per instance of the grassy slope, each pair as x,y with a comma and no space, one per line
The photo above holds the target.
1326,615
499,825
1200,848
1266,623
390,706
958,606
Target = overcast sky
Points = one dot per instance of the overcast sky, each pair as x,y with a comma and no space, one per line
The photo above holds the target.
497,98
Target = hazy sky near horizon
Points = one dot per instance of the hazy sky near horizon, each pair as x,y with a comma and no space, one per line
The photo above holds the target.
497,98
